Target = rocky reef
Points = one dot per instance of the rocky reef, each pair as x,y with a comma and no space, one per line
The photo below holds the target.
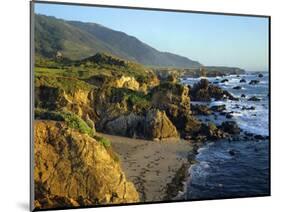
204,91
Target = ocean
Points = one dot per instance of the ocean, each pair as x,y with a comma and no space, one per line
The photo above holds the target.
219,174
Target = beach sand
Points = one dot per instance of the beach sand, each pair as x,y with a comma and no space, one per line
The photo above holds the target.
150,165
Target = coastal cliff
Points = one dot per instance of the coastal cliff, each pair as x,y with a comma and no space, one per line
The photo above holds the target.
74,169
76,99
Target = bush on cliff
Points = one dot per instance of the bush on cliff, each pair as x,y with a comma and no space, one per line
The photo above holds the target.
72,120
134,99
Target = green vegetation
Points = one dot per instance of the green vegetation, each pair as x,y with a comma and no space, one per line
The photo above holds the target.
68,84
104,141
134,98
72,120
77,40
99,64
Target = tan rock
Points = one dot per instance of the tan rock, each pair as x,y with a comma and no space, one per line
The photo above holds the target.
72,168
158,126
127,82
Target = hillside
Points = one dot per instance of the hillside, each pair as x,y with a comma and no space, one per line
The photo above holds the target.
78,40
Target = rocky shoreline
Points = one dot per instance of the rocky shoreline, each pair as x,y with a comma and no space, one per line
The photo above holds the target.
151,116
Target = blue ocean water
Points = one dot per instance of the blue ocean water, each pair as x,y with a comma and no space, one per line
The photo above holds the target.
219,174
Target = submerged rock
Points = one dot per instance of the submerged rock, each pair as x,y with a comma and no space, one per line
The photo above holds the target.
254,82
218,108
228,116
254,98
248,108
224,80
70,170
242,81
237,88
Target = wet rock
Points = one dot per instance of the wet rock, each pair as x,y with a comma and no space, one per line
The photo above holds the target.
254,82
248,108
218,108
249,134
242,81
228,116
231,152
236,106
254,98
204,91
260,75
243,95
200,110
230,127
237,88
260,137
211,131
224,80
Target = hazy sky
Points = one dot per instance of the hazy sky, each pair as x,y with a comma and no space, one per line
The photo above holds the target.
210,39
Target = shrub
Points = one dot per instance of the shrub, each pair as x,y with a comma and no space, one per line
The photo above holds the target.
73,121
76,122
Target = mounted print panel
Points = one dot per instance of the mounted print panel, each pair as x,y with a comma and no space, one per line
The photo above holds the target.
139,105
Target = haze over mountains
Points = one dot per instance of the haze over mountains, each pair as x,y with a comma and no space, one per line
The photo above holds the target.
78,40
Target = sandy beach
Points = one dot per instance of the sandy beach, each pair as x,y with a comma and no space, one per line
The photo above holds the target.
150,165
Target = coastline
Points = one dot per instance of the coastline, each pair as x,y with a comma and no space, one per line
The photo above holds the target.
158,169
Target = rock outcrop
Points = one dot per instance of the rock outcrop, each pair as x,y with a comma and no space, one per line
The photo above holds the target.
153,125
74,169
205,91
198,109
230,127
172,98
55,94
158,126
254,82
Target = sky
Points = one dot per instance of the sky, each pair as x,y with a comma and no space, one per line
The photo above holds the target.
213,40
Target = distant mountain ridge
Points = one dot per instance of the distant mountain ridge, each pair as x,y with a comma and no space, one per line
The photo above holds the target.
78,40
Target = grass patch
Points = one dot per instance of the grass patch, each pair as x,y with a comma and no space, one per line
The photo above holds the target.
134,98
73,121
104,141
86,68
68,84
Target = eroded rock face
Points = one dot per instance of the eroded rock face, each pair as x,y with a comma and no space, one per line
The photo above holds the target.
73,169
127,82
153,125
125,125
158,126
55,98
172,98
